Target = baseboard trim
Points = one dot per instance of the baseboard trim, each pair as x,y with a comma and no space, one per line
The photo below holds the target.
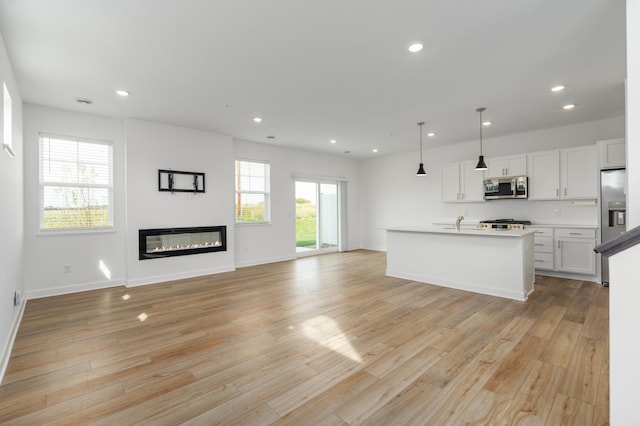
264,261
12,338
179,276
75,288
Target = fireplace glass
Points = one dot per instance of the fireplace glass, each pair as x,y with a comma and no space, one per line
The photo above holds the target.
156,243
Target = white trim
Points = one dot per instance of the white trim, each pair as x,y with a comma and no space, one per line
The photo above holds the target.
264,261
179,276
74,138
74,288
6,355
52,232
318,178
461,285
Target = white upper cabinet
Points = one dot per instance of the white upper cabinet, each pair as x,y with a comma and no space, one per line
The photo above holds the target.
544,175
462,183
570,173
450,175
515,165
579,172
612,153
472,182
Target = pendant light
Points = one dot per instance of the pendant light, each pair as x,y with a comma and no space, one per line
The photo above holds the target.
421,171
481,164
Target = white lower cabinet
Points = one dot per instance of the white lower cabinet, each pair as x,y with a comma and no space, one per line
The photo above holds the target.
574,250
543,248
565,249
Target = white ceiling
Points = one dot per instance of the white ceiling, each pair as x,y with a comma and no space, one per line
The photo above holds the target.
317,70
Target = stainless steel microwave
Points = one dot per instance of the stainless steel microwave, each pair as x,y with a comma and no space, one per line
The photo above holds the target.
513,187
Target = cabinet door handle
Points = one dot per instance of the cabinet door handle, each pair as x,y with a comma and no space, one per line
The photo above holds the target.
575,233
565,192
557,193
538,244
538,232
462,196
558,243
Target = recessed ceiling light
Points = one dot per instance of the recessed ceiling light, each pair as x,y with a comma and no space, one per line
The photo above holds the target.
257,119
333,141
374,150
84,101
487,123
123,93
569,106
431,134
558,88
415,47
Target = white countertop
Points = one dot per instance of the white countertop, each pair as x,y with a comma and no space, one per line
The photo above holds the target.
474,224
463,231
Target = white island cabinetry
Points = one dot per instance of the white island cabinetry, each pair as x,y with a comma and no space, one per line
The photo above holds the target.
497,263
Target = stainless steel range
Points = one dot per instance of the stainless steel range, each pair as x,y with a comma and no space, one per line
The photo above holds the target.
506,224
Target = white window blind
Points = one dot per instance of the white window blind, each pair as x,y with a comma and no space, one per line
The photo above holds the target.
76,183
252,192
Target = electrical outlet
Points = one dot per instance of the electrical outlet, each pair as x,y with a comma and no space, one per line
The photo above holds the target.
67,269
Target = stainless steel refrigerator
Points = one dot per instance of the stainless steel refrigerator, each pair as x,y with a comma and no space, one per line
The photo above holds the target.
613,218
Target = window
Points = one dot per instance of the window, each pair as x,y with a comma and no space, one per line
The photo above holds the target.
76,183
252,192
7,141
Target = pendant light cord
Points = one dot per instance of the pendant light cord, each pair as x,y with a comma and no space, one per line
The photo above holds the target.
421,124
480,110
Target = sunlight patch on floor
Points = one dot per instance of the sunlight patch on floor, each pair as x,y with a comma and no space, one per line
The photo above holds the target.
325,331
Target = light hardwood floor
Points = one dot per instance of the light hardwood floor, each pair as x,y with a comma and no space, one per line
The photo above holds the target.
324,340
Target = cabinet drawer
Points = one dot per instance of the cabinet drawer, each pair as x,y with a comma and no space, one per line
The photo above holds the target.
575,233
540,232
543,260
543,245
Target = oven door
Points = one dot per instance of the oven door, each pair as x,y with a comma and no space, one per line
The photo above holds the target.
499,188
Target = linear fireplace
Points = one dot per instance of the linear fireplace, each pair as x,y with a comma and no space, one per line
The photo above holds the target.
157,243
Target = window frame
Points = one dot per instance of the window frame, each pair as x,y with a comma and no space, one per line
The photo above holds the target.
57,184
266,193
7,120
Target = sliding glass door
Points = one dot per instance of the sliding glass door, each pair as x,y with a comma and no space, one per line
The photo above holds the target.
316,217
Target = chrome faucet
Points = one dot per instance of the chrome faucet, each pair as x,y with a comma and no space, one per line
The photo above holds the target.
458,220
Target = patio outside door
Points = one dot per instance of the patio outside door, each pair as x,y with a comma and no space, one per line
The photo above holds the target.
316,217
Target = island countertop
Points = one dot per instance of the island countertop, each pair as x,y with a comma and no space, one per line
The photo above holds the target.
463,231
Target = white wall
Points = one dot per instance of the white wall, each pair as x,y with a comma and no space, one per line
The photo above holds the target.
48,254
633,112
11,215
152,146
625,292
392,195
257,244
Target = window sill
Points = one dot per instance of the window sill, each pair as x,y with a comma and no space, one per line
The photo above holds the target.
249,224
75,231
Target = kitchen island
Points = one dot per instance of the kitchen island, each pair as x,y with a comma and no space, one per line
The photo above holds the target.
494,262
